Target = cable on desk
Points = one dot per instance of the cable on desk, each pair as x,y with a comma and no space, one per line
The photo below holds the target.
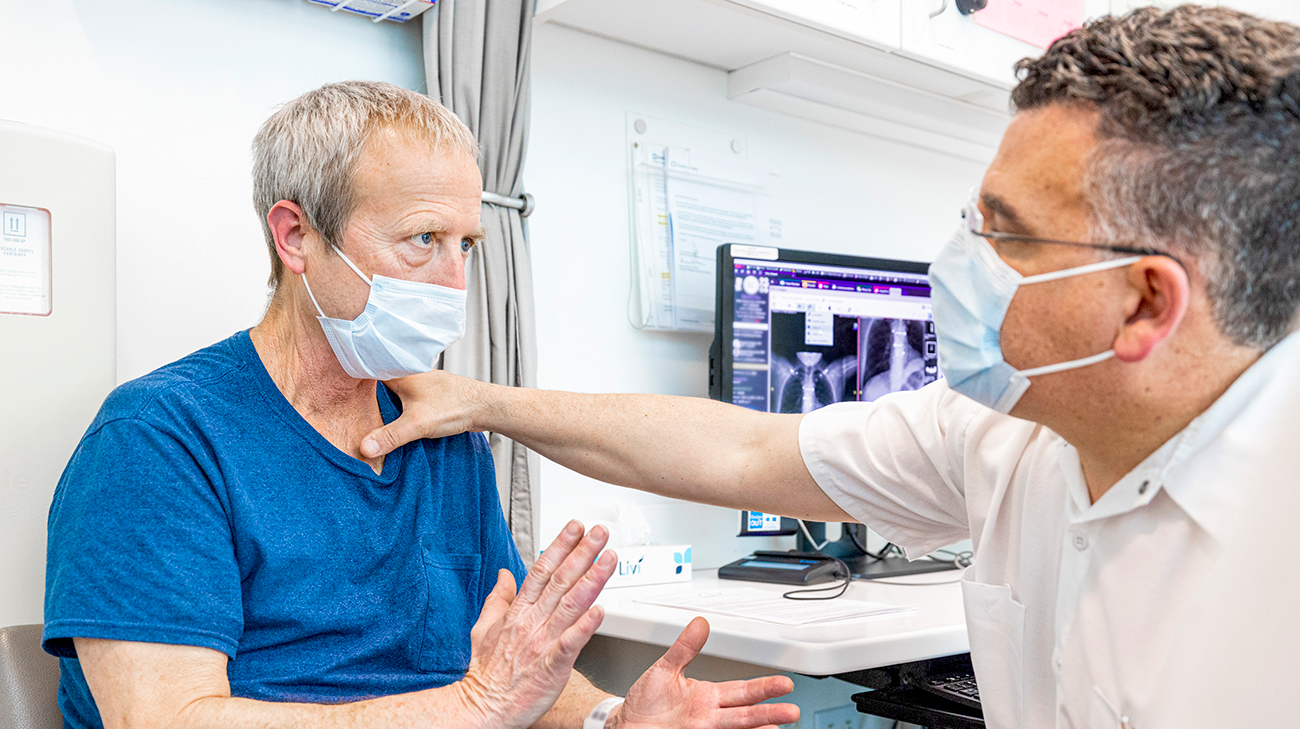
843,587
961,559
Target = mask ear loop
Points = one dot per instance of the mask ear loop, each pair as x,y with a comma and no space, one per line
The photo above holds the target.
1066,273
312,296
1071,365
351,265
1081,270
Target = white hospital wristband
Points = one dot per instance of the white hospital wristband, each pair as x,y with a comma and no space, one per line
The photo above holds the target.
596,719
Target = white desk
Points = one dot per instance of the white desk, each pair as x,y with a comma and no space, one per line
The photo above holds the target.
936,628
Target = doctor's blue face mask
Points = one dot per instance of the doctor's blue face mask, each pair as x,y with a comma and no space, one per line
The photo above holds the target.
972,288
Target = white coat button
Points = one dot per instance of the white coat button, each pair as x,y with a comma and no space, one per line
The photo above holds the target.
1143,488
1080,542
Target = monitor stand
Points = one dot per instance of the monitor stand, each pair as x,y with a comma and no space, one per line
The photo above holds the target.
869,568
865,566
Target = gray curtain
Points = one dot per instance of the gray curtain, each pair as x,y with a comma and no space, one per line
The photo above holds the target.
476,57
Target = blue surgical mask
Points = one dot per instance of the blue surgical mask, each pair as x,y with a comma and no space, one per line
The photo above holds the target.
972,288
403,329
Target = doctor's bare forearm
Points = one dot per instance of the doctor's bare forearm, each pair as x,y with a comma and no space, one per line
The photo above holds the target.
682,447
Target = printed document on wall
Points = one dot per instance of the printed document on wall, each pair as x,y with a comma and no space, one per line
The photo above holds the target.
687,203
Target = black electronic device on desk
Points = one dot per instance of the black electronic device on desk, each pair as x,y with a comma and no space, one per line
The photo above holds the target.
882,565
785,568
796,331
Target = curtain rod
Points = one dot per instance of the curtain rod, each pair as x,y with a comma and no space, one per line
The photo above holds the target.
524,204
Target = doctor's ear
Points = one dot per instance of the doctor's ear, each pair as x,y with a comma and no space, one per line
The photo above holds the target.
289,227
1160,293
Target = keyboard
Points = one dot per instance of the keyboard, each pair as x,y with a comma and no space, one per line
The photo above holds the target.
958,687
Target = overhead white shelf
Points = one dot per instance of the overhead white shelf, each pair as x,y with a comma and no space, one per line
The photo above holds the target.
813,89
915,71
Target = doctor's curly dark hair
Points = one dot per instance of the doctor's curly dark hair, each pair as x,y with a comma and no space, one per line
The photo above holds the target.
1199,148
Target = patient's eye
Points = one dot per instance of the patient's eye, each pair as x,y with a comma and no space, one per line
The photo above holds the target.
423,239
466,244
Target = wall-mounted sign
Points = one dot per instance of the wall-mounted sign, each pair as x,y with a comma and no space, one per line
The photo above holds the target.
25,275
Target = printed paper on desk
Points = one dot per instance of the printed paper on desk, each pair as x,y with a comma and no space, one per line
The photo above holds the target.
748,602
1036,22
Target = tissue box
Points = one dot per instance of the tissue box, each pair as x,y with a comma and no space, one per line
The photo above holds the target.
651,564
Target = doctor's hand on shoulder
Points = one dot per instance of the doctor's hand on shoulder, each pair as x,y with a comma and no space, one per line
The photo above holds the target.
435,404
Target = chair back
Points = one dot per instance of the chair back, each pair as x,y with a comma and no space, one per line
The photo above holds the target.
29,681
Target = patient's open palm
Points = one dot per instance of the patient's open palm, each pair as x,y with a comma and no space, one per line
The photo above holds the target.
664,697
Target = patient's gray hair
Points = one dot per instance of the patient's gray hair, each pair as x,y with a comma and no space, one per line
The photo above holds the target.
1199,150
307,152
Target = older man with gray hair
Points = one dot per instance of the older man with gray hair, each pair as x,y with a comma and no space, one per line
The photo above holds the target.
222,555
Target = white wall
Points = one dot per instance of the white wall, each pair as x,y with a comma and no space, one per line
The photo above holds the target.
178,88
845,193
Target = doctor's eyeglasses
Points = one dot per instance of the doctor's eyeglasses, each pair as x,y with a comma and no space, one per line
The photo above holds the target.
974,220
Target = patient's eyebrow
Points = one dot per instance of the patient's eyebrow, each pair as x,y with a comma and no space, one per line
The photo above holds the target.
440,229
1006,214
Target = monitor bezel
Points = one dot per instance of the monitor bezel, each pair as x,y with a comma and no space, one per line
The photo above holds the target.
720,364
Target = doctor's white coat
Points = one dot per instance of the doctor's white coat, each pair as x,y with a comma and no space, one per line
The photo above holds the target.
1073,608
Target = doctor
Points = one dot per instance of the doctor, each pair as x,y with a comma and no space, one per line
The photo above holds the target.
1111,312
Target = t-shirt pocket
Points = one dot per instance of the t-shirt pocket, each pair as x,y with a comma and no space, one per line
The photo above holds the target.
453,581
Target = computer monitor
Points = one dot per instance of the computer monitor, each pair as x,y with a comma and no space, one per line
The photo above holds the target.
796,331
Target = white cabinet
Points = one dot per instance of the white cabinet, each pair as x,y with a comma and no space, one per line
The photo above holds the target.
936,32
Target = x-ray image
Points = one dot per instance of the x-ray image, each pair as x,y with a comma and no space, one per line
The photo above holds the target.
890,352
812,365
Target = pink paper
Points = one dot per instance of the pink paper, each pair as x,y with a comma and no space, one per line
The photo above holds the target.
1036,22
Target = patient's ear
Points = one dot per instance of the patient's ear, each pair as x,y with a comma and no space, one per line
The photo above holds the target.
1160,293
289,228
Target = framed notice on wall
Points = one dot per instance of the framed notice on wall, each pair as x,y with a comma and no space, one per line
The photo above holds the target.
25,276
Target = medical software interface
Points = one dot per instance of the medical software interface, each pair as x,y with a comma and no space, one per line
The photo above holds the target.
809,335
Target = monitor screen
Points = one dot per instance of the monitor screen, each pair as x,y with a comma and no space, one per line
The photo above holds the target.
807,330
797,330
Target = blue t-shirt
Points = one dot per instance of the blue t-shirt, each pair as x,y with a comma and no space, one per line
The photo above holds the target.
201,509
